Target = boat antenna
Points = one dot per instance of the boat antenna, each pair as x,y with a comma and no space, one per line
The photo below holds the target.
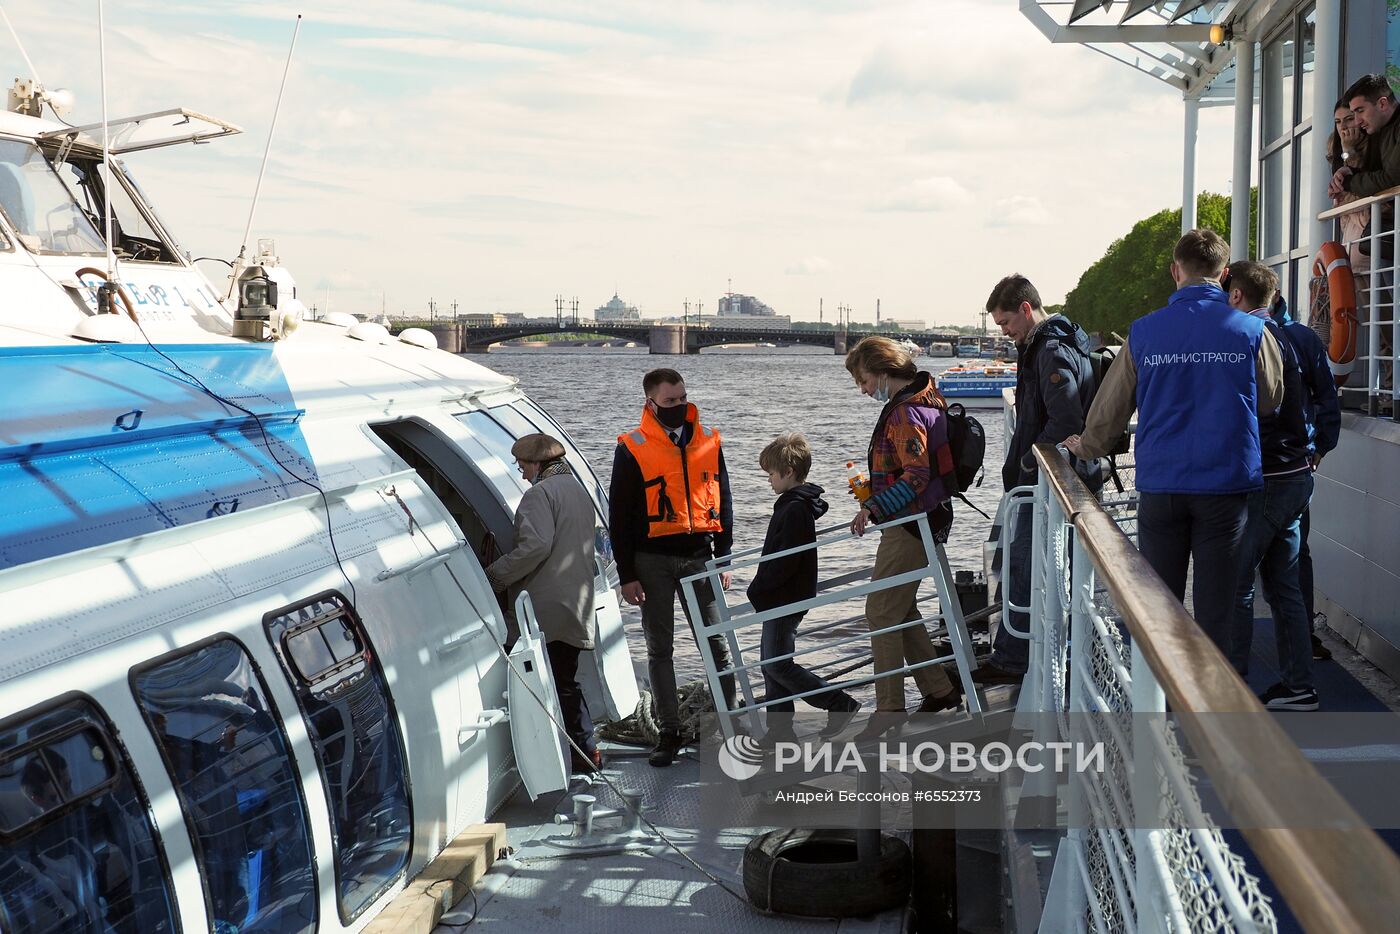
106,146
257,189
23,54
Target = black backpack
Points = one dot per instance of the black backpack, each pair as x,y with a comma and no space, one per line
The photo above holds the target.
968,442
1099,361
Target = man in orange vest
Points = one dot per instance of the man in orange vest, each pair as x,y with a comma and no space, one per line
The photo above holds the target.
670,512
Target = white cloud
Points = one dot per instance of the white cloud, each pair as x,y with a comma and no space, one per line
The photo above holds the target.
502,153
938,193
809,266
1018,211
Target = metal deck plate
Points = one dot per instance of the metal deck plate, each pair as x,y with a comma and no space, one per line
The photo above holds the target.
541,888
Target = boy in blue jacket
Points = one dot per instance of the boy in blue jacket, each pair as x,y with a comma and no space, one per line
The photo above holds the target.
790,579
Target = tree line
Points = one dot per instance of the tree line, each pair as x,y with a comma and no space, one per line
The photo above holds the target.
1131,279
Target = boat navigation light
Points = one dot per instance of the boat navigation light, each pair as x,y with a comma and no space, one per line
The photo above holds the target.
419,337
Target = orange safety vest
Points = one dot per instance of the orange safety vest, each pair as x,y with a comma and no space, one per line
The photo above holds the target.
681,483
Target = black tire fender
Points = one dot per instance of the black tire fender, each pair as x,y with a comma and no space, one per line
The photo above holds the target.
815,874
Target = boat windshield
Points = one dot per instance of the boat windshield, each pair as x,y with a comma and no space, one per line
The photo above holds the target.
39,207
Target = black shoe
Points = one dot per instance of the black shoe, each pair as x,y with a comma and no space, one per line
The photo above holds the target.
837,720
1320,652
1279,697
933,703
668,746
989,674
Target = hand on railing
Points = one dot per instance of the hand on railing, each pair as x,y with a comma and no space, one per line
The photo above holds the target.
859,523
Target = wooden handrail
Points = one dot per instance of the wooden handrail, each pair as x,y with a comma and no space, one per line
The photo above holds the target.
1336,874
1358,204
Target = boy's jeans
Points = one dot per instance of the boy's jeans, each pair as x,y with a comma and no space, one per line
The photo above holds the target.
786,678
1271,544
660,577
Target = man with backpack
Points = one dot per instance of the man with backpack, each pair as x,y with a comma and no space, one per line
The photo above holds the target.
1054,386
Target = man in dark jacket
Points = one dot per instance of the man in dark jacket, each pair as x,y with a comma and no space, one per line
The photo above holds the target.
669,512
1054,387
1289,446
790,579
1327,429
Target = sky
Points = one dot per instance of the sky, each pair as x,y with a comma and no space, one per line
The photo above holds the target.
495,155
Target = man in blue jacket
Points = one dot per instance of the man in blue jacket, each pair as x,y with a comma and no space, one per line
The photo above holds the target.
1054,386
1290,446
1197,372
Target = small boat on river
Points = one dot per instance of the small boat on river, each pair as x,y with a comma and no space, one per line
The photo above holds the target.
976,382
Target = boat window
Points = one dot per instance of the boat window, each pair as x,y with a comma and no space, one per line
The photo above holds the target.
78,853
542,421
39,208
228,759
133,234
501,471
345,700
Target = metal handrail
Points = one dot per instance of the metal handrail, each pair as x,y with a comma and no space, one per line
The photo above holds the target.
1337,875
734,617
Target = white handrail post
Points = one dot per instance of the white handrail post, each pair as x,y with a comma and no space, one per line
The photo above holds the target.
702,635
1149,714
1373,313
951,608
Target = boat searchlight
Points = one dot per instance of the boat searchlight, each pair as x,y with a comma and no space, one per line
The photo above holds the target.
259,314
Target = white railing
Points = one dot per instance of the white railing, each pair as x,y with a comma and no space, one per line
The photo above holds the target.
854,586
1141,855
1375,250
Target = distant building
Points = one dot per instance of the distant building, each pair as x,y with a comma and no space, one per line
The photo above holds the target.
616,310
733,305
904,324
484,321
514,317
764,321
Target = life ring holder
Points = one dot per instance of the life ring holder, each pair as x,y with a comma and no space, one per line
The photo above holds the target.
1332,264
121,293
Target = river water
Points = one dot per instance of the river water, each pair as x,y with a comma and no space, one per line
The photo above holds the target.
750,396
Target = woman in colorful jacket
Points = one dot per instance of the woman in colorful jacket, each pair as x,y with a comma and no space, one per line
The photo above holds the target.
911,424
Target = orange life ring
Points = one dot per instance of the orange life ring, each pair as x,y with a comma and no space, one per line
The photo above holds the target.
1331,263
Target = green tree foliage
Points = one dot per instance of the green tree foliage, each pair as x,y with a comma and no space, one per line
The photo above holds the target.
1132,278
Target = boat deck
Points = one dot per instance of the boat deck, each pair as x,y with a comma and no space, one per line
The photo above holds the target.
544,886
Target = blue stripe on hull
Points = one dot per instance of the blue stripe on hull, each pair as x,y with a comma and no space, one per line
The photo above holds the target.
106,442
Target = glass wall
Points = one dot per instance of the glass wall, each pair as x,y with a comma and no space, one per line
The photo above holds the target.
1287,61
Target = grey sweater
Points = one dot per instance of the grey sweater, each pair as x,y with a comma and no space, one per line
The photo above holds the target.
553,559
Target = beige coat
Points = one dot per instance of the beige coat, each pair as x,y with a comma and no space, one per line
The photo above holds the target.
553,559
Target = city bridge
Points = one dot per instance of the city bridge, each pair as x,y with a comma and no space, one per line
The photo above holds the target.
457,337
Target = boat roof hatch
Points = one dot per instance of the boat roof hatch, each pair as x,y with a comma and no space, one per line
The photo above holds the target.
147,131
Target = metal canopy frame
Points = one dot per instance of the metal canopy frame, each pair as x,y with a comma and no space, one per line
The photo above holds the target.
1165,39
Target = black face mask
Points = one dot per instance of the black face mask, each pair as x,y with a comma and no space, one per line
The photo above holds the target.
673,417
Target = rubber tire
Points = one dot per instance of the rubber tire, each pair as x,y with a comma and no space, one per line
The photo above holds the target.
824,889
